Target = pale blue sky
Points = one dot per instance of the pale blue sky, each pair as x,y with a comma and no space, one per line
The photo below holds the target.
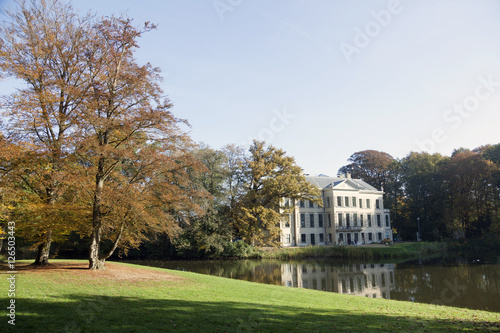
277,69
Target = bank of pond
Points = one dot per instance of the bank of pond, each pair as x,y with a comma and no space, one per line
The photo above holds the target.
465,282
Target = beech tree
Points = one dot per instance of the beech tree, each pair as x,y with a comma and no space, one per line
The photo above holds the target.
96,128
127,121
270,177
42,43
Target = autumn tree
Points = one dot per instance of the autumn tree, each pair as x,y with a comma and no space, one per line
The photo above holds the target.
270,177
95,126
127,122
42,44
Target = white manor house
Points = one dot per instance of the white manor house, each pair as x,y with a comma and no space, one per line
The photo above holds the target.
352,213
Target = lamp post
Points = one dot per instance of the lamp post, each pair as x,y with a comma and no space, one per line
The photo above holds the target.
418,233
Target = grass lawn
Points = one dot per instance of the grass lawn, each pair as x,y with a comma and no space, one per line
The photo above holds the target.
362,252
131,298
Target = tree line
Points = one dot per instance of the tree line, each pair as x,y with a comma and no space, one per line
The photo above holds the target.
89,146
443,197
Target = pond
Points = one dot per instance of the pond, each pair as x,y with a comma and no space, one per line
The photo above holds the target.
463,283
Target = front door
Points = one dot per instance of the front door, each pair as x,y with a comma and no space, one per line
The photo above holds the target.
349,239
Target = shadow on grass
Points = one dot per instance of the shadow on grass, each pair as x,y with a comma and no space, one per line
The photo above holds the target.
126,314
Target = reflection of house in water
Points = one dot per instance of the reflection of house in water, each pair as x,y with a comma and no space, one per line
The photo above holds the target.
369,280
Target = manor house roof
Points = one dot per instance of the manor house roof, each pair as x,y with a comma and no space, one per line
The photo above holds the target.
323,182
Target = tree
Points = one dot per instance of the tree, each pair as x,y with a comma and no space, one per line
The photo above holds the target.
127,122
91,113
42,44
270,177
472,197
372,166
208,235
423,200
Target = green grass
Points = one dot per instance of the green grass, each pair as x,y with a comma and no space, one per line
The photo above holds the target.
395,251
61,301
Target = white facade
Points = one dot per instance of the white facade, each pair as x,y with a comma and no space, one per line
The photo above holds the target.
352,213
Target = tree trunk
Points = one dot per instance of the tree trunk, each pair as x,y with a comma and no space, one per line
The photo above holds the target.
95,240
95,262
42,257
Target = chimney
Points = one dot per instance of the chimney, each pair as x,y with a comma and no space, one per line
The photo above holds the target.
348,175
340,175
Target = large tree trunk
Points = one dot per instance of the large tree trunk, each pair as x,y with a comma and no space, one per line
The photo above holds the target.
95,262
95,240
42,257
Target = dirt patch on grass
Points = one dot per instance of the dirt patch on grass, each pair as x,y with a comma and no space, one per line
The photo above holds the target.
113,271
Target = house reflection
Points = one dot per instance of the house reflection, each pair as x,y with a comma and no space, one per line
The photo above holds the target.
368,280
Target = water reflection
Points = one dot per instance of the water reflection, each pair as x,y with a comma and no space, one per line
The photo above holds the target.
368,280
474,286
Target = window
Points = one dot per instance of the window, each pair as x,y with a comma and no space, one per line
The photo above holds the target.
347,220
302,238
360,203
377,204
355,219
341,237
367,203
370,236
311,220
320,220
287,240
329,238
369,217
287,202
301,203
287,221
327,202
379,222
354,201
379,236
329,217
387,220
321,238
339,201
302,220
361,219
346,201
340,219
311,204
